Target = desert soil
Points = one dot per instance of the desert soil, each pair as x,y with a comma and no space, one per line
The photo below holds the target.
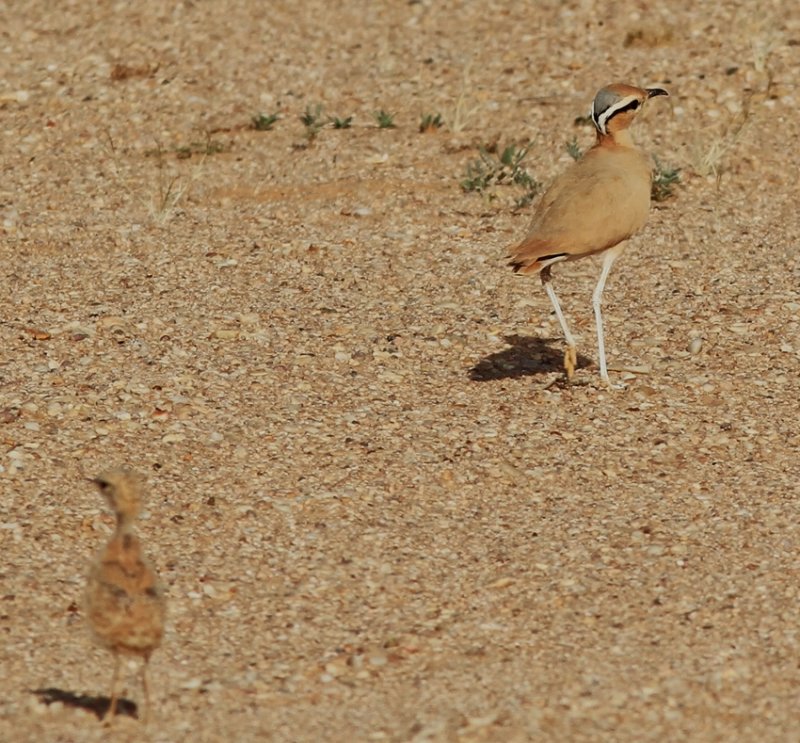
379,512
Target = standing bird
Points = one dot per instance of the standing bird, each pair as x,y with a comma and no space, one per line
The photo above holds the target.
593,207
124,598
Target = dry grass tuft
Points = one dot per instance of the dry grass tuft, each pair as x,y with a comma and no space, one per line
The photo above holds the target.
648,37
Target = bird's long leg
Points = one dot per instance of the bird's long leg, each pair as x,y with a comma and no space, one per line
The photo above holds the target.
112,706
146,690
571,354
597,297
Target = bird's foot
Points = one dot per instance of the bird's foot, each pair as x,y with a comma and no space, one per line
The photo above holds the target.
570,361
606,383
111,713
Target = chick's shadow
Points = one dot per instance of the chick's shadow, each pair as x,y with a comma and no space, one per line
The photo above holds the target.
98,705
526,356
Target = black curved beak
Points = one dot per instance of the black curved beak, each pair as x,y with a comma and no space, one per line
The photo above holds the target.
653,92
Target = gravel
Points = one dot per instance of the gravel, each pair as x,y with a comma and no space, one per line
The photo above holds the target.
379,513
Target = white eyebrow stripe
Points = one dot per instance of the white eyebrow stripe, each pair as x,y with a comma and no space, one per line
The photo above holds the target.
600,121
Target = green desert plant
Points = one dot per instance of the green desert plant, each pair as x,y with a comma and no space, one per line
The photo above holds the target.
263,122
491,169
384,119
312,121
573,149
208,147
430,123
664,181
338,123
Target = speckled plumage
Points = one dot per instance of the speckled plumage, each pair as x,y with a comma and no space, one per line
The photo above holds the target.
125,603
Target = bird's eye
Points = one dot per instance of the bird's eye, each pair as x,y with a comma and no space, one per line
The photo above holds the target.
629,106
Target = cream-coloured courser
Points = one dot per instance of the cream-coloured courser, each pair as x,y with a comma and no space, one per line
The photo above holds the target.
124,598
593,207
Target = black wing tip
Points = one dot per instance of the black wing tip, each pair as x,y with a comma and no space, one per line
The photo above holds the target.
543,261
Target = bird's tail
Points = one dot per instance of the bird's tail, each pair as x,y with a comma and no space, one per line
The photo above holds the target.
531,256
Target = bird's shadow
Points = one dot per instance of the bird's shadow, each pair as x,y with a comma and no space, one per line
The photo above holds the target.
98,705
524,357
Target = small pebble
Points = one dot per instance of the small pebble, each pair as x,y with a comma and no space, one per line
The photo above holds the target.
695,345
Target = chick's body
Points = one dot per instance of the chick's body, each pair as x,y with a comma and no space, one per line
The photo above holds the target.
125,599
125,602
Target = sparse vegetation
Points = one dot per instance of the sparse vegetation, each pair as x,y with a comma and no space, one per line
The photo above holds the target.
338,123
384,119
464,107
312,121
430,123
708,156
169,189
209,147
709,153
664,181
264,122
575,152
183,152
491,169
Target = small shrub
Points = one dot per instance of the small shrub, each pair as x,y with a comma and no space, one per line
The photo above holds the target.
263,122
664,181
574,150
338,123
491,170
209,147
384,119
430,123
312,121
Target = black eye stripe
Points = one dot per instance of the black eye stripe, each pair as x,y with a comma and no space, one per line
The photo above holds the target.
601,118
632,106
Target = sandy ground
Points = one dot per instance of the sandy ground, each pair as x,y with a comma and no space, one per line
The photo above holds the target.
379,514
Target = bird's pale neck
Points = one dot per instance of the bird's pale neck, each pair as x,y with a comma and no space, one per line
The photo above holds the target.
619,138
125,522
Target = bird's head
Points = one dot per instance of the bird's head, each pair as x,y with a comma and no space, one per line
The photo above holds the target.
122,490
615,106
